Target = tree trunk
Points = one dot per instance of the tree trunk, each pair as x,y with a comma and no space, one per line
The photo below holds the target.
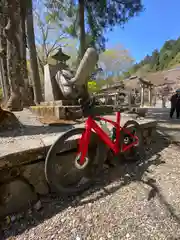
12,35
82,29
23,12
26,90
3,72
33,54
3,51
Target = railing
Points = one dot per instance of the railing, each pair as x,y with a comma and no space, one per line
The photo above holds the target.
122,98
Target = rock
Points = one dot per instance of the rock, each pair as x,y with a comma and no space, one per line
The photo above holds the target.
34,173
15,196
38,206
8,174
78,238
145,133
21,150
8,120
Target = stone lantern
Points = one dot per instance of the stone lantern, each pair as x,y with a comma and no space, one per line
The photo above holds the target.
60,57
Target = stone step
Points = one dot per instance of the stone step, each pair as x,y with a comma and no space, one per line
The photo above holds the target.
57,103
22,162
59,111
28,148
52,111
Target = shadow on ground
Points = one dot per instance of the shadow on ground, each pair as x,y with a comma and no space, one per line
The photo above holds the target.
170,127
156,192
128,173
173,128
28,130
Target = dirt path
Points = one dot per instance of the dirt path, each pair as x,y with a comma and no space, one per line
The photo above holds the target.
170,127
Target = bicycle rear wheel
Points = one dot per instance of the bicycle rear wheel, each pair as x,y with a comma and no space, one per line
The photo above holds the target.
61,171
136,152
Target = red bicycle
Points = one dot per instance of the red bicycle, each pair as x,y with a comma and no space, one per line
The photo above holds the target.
73,171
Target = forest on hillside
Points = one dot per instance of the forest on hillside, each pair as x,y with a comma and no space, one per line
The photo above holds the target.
165,58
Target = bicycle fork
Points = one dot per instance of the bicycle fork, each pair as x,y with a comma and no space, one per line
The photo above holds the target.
83,146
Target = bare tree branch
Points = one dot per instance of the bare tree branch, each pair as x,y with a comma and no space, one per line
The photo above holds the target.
48,46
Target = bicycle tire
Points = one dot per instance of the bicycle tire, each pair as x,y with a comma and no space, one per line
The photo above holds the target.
135,152
95,156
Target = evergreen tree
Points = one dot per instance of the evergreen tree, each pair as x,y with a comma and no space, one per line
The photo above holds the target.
154,65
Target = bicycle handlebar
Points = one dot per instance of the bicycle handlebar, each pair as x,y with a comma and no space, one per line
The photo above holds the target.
87,108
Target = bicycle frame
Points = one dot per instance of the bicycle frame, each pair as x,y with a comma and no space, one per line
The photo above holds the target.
113,145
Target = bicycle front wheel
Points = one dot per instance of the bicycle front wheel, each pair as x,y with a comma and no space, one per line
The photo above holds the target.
61,171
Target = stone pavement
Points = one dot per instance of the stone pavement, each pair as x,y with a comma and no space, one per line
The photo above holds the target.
169,127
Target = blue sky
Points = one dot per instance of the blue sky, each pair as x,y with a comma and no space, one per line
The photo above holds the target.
141,35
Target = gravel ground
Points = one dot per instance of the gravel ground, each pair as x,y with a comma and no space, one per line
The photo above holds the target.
132,201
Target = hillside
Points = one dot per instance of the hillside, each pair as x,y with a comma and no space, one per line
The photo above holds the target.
166,58
161,67
160,79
